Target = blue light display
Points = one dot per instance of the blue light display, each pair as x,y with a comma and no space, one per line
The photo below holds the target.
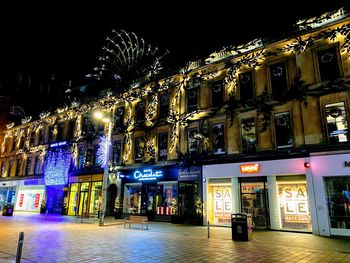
57,166
147,174
58,144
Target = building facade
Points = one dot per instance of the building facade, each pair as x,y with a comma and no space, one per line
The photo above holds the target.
260,128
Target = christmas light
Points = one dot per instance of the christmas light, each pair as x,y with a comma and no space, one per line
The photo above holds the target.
102,151
57,166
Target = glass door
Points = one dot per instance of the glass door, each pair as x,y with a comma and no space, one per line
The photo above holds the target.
254,201
83,202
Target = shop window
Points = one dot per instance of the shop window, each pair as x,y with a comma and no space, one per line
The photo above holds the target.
117,151
84,198
338,200
28,166
328,64
9,168
192,99
162,199
132,199
337,123
218,135
188,195
139,149
140,112
293,202
283,130
248,132
73,199
119,119
95,198
279,82
163,146
37,165
192,143
164,106
220,201
18,167
217,93
246,85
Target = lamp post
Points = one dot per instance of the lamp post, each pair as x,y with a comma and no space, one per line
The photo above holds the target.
99,115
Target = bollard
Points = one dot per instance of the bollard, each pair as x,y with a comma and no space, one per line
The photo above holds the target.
47,211
208,230
19,247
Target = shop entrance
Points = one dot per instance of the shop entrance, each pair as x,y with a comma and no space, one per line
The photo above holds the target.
254,201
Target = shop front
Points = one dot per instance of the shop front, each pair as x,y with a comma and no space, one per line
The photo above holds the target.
7,193
332,183
84,194
31,195
162,193
277,194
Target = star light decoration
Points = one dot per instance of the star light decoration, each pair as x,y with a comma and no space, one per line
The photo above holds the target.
57,166
102,151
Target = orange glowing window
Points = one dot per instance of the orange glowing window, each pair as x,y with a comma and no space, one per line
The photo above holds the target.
250,168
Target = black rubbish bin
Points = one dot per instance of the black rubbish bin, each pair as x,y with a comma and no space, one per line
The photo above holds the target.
241,227
8,210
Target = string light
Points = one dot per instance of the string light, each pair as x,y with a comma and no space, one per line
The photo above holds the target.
57,166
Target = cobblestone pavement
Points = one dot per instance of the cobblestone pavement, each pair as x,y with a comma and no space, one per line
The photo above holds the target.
61,239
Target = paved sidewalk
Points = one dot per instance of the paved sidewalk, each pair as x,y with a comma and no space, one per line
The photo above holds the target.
61,239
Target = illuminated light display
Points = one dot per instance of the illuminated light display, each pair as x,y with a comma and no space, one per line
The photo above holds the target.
58,144
102,151
57,166
250,168
147,174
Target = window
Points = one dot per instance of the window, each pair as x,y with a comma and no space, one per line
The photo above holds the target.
88,126
51,133
81,158
59,134
328,63
119,119
246,85
192,142
117,152
70,128
338,200
163,146
140,112
18,167
2,168
21,141
164,106
14,142
32,138
28,165
337,123
41,136
279,83
218,138
139,149
248,135
9,168
192,99
217,94
283,130
37,165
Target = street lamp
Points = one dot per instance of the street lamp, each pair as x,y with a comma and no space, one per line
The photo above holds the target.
100,116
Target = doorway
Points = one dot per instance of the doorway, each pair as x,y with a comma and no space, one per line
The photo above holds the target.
83,202
254,198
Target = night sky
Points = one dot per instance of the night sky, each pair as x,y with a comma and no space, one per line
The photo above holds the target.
65,39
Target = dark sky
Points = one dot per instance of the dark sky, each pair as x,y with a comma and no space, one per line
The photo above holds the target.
65,38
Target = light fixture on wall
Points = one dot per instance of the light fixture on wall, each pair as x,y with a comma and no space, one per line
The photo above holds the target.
307,165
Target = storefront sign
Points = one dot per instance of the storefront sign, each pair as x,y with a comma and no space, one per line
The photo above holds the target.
147,174
31,182
58,144
192,173
250,168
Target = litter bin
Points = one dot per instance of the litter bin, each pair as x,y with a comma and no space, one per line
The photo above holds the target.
8,210
241,225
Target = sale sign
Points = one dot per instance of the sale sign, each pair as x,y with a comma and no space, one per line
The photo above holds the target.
37,199
21,197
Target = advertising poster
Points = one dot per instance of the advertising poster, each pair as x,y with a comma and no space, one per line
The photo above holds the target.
222,204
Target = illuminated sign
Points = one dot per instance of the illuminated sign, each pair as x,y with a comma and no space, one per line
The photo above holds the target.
31,182
250,168
58,144
147,174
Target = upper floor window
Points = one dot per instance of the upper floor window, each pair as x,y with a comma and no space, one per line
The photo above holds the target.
21,141
337,122
119,119
28,165
192,99
192,143
283,130
246,85
18,167
117,152
140,112
217,93
51,133
218,138
59,131
164,106
37,165
248,132
14,143
2,168
88,127
139,148
9,168
32,138
328,63
279,82
70,129
41,135
81,158
163,146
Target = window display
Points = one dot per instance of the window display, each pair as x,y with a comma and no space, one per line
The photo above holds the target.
294,204
29,200
132,199
73,198
221,204
338,199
